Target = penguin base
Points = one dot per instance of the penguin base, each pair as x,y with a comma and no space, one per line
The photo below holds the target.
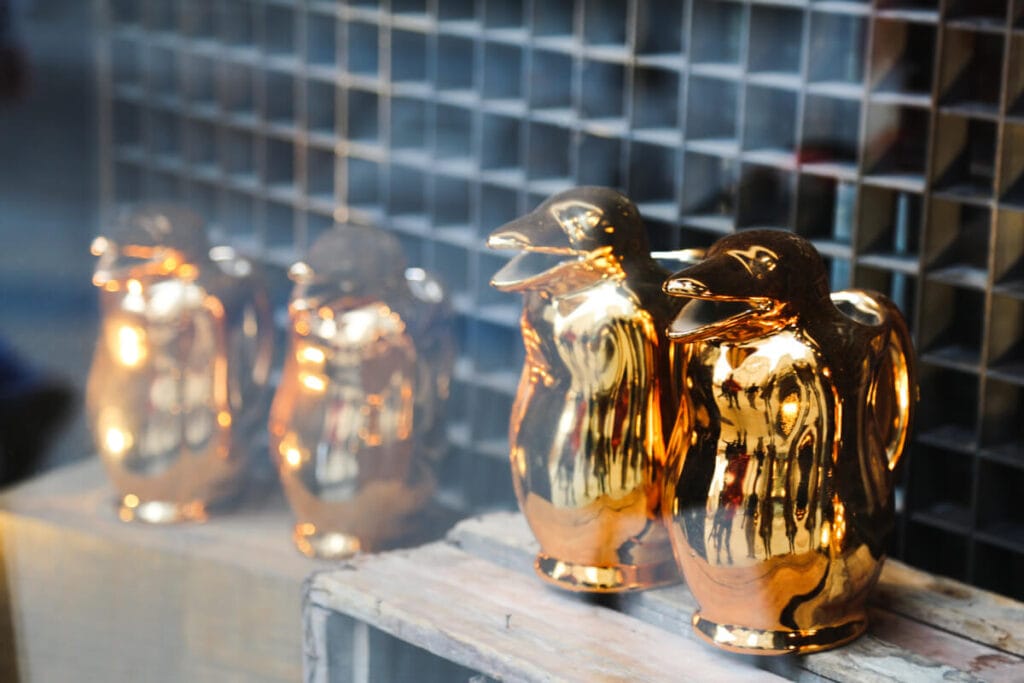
325,545
131,509
617,578
753,641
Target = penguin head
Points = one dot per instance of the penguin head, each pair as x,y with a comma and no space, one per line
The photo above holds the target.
571,231
351,260
757,275
151,237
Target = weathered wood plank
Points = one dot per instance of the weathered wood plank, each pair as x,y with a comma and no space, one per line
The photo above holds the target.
898,624
503,624
978,660
973,613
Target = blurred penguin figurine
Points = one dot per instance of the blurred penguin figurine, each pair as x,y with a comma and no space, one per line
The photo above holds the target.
356,427
182,360
586,437
828,381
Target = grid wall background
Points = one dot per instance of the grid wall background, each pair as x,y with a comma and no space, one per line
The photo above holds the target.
889,132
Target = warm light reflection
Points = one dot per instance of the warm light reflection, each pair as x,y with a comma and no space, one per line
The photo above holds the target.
224,418
311,354
360,323
131,501
290,452
131,346
315,383
328,328
839,525
788,412
790,406
518,457
117,441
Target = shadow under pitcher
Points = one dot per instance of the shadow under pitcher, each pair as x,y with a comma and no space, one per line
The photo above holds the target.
796,410
586,431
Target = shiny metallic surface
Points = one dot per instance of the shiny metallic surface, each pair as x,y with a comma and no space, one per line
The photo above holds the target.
182,358
797,408
357,425
586,432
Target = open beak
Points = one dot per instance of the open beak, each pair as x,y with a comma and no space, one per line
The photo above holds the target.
543,246
714,311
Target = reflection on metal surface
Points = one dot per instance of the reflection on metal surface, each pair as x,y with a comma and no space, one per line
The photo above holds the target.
356,425
587,445
797,409
184,352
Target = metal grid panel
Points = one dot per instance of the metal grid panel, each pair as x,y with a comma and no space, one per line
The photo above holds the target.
890,133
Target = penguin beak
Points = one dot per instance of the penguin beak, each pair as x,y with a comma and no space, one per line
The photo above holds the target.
543,245
533,232
722,300
686,286
703,280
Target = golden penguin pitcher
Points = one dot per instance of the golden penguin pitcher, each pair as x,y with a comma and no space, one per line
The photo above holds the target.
357,427
586,439
797,408
183,355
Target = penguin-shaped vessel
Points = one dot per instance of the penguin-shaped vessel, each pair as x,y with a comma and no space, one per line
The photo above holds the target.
356,425
180,367
797,408
586,432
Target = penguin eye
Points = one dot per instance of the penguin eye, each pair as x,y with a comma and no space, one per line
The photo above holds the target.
759,261
578,219
762,265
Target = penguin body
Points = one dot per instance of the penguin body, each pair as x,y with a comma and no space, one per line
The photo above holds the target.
586,432
178,374
792,544
355,422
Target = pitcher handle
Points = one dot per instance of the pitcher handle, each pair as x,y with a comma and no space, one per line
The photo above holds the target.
257,322
264,335
903,382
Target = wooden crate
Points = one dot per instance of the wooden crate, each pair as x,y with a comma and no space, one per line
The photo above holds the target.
471,606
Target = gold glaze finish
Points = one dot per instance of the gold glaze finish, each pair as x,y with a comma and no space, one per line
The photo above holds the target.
356,425
180,366
586,439
797,409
